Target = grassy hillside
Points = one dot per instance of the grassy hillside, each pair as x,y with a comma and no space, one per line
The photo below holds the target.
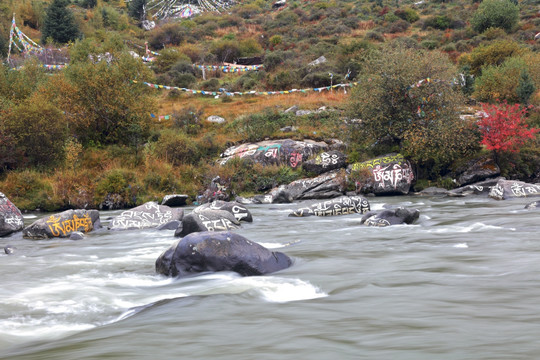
99,146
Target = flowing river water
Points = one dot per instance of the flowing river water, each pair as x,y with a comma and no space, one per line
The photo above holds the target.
463,282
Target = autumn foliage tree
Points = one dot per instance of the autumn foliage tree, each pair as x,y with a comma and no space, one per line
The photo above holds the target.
503,127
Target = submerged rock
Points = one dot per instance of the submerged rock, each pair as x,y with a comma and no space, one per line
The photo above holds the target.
148,215
344,205
11,219
219,251
535,205
63,224
389,217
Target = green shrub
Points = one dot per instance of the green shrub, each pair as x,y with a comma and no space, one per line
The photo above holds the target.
500,82
495,13
490,54
177,148
168,34
407,14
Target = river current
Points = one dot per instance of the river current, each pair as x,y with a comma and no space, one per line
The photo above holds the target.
463,282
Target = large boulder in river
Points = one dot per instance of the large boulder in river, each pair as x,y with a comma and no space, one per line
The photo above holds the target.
389,217
385,175
63,224
326,186
209,220
507,189
219,251
278,195
325,161
275,152
239,211
11,219
148,215
340,206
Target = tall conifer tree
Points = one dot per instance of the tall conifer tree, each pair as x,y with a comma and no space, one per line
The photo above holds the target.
59,23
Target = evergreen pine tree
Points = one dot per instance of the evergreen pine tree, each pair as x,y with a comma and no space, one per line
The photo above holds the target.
525,87
137,9
59,23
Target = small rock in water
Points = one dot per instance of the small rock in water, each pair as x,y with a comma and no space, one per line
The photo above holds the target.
76,235
9,249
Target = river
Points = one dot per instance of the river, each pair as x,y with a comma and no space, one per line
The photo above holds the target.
463,282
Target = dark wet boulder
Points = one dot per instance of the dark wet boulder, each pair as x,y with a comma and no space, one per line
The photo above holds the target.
219,251
174,200
148,215
171,225
209,220
535,205
344,205
239,211
63,224
275,152
389,217
11,219
389,174
479,188
325,186
508,189
217,190
325,161
479,170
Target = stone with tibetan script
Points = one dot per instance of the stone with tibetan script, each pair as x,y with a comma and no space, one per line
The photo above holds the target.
325,161
11,219
535,205
240,212
148,215
389,174
63,224
508,189
343,205
209,220
389,217
275,152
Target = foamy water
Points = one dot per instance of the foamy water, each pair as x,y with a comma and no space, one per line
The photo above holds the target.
461,283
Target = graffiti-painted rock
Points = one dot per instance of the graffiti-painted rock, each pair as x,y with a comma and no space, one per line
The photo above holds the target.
149,215
389,217
385,175
507,189
479,188
219,251
325,186
11,219
239,211
275,152
174,200
340,206
326,161
535,205
63,224
479,170
209,220
217,190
